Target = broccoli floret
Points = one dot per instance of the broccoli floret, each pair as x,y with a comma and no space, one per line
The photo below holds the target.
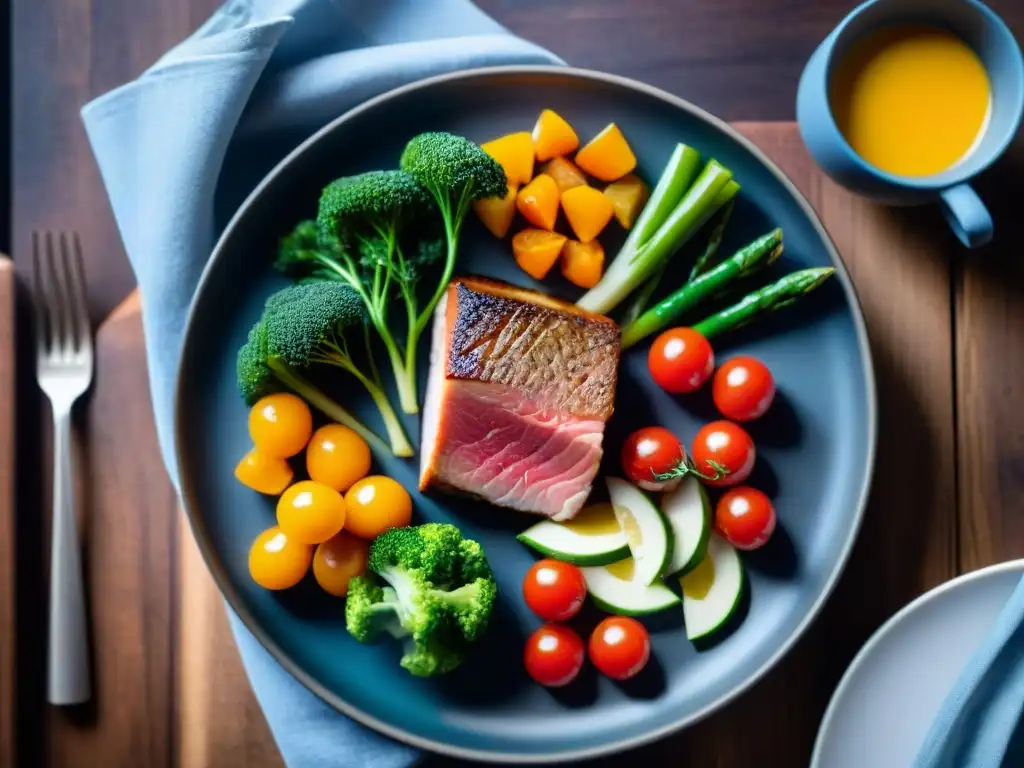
356,239
438,594
455,172
302,326
377,202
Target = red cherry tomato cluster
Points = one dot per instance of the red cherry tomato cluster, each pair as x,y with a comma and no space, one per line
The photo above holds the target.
681,361
619,646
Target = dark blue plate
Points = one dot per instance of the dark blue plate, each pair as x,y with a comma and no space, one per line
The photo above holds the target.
815,448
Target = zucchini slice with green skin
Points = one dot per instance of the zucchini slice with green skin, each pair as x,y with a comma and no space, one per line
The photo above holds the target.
593,537
712,591
647,530
624,596
688,511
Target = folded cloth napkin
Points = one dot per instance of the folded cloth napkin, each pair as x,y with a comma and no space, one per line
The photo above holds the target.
979,724
266,74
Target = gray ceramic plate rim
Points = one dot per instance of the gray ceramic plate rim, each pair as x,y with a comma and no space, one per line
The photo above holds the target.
864,655
223,583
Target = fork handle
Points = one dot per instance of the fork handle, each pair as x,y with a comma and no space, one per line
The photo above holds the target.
68,668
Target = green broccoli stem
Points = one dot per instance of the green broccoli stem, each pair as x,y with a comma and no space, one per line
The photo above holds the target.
400,444
758,254
322,403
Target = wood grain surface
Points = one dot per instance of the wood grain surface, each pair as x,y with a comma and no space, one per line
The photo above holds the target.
170,687
740,59
8,684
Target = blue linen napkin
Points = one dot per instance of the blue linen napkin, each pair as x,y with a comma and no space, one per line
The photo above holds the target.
264,74
979,724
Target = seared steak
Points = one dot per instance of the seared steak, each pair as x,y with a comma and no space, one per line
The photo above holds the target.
520,388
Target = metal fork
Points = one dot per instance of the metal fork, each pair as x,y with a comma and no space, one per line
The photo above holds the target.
64,370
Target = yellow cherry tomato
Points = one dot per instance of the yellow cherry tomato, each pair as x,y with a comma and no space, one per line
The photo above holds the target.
263,474
339,560
280,425
310,512
375,504
278,562
337,456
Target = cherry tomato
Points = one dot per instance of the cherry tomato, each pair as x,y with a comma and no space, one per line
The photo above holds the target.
680,360
375,504
729,446
652,451
310,512
339,560
620,647
745,517
280,425
337,456
554,590
277,561
743,389
264,474
554,655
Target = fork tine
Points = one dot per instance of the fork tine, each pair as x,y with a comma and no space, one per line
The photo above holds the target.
78,314
57,302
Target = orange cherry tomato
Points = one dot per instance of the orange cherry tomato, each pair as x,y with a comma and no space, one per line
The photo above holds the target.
280,425
730,447
375,504
310,512
337,456
264,474
745,517
620,647
339,560
554,655
554,590
278,562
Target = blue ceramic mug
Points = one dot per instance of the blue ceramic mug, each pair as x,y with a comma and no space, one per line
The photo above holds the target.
979,27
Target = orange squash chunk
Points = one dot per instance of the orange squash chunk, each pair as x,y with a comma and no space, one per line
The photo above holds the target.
583,263
587,210
565,174
628,196
607,156
538,201
497,213
553,136
264,474
514,153
536,250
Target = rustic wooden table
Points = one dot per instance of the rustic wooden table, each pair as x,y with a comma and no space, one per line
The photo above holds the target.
944,327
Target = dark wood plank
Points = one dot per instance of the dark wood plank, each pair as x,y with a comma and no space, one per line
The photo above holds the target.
8,683
66,52
736,58
990,378
129,531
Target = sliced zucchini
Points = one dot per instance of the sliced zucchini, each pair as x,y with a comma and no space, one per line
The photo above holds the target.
689,514
647,531
593,537
614,589
712,591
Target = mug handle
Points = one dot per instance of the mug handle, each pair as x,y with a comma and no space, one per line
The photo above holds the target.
966,215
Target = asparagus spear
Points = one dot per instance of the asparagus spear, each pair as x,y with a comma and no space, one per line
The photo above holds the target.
746,261
643,297
779,294
635,262
706,260
677,176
